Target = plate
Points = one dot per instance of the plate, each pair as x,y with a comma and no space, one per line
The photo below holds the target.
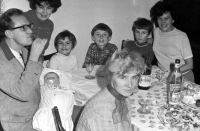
193,106
179,118
90,77
191,93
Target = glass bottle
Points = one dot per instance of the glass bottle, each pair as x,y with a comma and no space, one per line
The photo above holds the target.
174,84
57,119
145,78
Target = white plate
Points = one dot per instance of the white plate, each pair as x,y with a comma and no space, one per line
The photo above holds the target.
193,106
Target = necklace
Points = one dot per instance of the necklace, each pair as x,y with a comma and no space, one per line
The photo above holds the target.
141,45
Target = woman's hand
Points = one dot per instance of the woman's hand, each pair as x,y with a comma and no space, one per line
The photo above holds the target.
187,66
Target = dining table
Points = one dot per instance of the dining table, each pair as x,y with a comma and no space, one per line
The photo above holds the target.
88,87
156,95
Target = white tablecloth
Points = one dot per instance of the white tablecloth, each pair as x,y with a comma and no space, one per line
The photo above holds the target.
148,122
86,86
142,122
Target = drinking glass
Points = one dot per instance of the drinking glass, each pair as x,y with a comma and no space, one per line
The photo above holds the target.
34,36
159,76
89,68
143,109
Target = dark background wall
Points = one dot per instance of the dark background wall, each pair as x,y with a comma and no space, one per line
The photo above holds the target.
189,21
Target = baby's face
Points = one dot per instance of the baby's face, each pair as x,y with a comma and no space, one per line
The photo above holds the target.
51,78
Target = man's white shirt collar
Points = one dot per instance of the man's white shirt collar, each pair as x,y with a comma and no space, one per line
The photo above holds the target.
18,56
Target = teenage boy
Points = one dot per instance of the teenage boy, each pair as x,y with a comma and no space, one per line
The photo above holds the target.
142,28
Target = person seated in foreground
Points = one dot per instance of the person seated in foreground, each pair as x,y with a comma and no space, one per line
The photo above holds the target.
55,94
101,50
109,109
142,28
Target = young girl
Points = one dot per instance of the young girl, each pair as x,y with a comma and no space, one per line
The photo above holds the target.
64,43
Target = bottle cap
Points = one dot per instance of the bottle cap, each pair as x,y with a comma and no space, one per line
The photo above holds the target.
177,61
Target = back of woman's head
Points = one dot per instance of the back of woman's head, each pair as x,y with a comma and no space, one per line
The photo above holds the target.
160,8
52,3
124,62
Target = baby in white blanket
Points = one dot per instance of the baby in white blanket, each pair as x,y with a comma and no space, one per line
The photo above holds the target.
54,94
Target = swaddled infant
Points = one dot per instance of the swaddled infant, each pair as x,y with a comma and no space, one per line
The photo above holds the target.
52,94
52,80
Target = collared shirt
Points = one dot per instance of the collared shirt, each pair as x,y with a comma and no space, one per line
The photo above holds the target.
99,56
18,56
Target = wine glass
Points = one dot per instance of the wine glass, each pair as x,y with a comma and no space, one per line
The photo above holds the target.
89,68
143,109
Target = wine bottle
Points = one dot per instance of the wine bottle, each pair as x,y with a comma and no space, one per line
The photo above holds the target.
145,78
175,80
57,119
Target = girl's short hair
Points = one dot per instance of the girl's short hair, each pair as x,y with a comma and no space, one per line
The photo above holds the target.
102,26
160,8
52,3
62,35
123,62
142,23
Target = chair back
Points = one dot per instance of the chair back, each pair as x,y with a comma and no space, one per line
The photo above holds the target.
123,44
48,57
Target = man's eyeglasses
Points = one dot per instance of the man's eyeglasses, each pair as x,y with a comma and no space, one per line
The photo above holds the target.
24,27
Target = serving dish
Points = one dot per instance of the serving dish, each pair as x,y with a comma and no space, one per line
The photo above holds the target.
179,118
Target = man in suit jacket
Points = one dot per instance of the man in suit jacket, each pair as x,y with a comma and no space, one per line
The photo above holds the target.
19,74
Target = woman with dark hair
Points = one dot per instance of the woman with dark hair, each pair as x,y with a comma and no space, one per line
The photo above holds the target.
39,16
170,43
109,109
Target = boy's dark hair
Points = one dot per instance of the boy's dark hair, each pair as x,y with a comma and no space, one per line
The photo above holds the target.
62,35
142,23
52,3
6,21
102,26
161,8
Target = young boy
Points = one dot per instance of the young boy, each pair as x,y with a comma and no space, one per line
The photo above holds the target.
64,43
100,51
142,28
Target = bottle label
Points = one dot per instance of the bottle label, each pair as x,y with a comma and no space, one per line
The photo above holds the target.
175,93
145,81
177,74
